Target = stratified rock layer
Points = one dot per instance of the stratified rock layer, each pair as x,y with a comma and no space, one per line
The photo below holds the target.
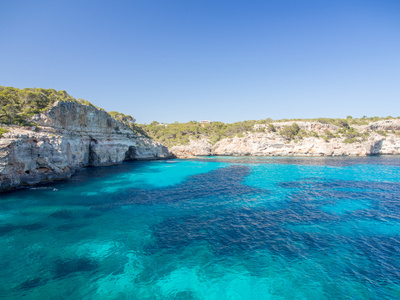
273,144
200,147
71,136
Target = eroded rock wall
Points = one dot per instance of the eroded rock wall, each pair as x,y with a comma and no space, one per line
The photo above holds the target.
273,144
200,147
71,136
259,144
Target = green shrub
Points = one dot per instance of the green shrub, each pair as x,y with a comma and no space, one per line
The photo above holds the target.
381,132
290,131
271,128
127,119
324,138
329,135
351,140
351,135
2,131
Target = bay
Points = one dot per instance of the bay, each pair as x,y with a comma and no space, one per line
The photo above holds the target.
208,228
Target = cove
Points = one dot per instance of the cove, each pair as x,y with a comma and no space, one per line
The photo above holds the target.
207,228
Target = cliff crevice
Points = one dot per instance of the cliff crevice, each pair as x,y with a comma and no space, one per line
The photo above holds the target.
70,137
373,139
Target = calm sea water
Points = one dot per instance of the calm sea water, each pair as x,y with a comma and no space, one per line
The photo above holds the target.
211,228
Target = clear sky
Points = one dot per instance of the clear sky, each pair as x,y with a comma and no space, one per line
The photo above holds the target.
221,60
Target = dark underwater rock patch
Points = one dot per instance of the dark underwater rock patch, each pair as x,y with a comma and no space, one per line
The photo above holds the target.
32,227
32,283
70,226
236,231
246,230
62,214
8,228
5,229
67,267
221,182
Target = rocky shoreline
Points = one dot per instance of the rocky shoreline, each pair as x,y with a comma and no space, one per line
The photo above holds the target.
69,136
380,140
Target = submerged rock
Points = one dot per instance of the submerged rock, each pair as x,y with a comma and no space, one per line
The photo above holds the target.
67,267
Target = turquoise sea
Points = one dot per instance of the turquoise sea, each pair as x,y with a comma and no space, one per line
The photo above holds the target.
207,228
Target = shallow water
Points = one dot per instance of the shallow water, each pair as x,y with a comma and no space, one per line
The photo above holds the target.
208,228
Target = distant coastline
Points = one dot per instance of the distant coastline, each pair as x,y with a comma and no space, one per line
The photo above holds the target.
48,135
302,138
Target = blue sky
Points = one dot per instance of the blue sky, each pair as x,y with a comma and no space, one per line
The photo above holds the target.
221,60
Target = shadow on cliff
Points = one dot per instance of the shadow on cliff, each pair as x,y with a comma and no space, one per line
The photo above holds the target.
377,148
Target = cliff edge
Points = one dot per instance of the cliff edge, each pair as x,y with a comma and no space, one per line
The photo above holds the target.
313,139
68,137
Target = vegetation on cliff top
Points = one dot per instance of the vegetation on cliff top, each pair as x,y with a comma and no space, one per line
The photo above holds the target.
181,133
289,132
2,131
17,106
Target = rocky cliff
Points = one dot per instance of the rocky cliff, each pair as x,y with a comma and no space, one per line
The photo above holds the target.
70,136
378,138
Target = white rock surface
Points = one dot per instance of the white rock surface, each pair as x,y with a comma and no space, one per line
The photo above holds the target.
272,144
259,144
71,136
200,147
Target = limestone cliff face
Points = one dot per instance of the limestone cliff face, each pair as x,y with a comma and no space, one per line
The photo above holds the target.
200,147
272,144
74,117
71,136
259,144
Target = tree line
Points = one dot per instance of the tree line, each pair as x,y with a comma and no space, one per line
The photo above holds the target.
17,106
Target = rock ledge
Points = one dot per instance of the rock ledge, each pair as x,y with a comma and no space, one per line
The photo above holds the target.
70,136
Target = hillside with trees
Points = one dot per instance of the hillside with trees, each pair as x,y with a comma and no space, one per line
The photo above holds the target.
181,133
17,106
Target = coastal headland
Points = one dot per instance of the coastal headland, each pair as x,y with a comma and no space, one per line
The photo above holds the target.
66,138
48,135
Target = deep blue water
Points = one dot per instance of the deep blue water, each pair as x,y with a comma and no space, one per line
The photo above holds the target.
210,228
